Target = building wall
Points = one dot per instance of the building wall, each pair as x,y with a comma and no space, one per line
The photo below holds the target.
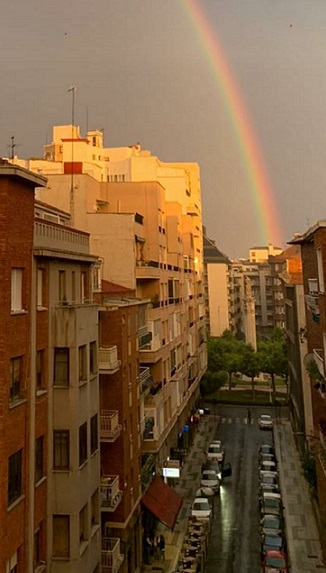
217,275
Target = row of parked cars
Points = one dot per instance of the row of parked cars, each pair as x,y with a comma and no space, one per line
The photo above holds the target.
213,471
273,541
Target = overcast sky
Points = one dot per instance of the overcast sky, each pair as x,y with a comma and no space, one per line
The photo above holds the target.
142,72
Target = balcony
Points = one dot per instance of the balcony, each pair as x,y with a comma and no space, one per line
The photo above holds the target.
110,429
108,362
111,558
145,378
312,302
111,495
319,359
144,337
147,270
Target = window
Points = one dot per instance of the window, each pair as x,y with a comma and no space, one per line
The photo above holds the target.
95,509
61,536
12,564
82,356
15,378
83,287
38,557
94,434
83,519
320,268
62,286
93,358
61,450
82,443
16,290
39,472
61,367
39,288
39,370
14,477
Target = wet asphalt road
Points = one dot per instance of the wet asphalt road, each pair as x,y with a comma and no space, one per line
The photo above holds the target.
235,539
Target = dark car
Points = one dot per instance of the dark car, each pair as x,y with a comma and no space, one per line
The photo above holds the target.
268,466
271,524
272,542
268,487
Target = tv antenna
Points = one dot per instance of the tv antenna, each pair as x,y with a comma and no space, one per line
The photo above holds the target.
12,146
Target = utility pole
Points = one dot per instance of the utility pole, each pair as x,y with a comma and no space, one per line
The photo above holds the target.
12,146
72,190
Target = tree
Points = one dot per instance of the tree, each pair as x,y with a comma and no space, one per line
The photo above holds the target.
251,365
212,381
225,353
273,355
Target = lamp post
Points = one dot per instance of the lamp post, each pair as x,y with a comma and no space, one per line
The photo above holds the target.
72,191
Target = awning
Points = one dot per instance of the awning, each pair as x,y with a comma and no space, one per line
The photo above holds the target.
163,501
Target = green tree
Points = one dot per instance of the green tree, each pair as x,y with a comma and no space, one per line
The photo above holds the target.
226,353
251,366
273,354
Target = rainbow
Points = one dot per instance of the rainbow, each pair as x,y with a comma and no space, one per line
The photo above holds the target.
260,187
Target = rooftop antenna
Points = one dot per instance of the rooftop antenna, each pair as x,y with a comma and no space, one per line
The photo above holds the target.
72,191
12,146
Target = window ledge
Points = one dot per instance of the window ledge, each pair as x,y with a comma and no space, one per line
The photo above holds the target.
61,470
93,376
40,481
95,452
83,465
83,546
40,568
15,503
41,392
18,402
82,383
95,529
17,312
61,386
41,308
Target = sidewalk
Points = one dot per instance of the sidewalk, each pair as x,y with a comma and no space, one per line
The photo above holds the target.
187,486
304,546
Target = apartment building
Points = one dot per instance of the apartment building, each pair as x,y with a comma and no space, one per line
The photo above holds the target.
217,299
23,416
145,227
313,253
49,447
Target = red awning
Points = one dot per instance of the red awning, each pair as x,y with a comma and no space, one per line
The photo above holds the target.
163,501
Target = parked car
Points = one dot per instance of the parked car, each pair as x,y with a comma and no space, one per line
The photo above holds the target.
268,471
270,478
271,504
263,457
266,449
268,487
215,451
209,479
272,542
271,524
275,561
222,472
201,508
268,466
265,422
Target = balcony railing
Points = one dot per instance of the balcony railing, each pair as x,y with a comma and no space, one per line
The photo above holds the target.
111,495
144,337
145,378
111,558
319,359
312,303
110,428
108,362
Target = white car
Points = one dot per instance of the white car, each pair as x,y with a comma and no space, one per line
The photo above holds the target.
201,508
209,479
265,422
215,451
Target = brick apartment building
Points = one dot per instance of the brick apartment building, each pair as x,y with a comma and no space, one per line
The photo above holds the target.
313,253
23,420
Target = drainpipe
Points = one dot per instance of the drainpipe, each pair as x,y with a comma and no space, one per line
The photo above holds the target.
31,406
